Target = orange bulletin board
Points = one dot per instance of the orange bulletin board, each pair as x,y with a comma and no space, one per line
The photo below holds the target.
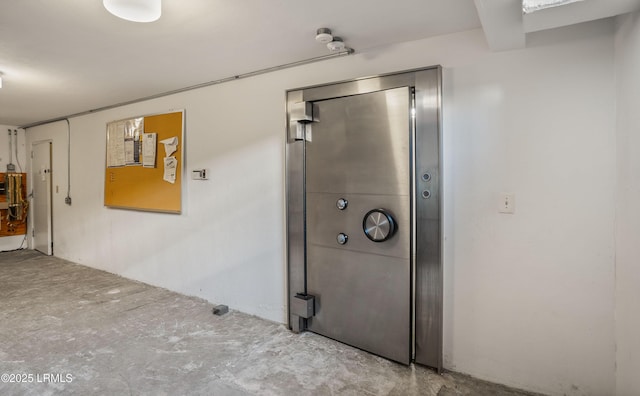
133,186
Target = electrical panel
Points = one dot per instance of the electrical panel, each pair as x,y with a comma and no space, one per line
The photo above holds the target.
13,204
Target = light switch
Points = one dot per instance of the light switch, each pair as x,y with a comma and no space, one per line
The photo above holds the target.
199,174
507,203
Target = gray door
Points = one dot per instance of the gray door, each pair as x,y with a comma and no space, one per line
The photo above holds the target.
358,220
41,181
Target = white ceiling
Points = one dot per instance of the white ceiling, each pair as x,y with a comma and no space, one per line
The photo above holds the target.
67,56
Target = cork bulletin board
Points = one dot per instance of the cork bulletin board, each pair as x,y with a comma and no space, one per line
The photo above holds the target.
142,172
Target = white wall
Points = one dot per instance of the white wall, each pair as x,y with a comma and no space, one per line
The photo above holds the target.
628,204
531,294
20,161
528,297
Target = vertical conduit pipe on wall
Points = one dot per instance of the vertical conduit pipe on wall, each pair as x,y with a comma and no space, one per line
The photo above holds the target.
15,134
10,150
67,199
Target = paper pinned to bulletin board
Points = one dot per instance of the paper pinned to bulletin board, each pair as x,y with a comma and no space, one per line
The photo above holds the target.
149,143
136,168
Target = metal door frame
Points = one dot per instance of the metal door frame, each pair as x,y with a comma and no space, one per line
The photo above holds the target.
426,199
50,195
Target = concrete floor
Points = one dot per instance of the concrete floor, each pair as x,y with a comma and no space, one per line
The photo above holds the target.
73,330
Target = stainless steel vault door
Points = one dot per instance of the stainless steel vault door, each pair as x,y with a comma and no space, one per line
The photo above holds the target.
359,154
363,214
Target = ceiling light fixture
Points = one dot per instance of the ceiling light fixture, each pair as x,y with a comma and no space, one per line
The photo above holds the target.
135,10
529,6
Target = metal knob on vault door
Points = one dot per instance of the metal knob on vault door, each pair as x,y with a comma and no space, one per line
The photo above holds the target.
378,225
342,204
342,238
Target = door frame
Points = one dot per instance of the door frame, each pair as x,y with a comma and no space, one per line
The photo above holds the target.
33,175
427,265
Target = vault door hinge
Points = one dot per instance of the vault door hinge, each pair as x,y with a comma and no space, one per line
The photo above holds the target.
300,119
302,307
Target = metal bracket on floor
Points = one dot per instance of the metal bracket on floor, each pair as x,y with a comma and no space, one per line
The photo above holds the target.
220,310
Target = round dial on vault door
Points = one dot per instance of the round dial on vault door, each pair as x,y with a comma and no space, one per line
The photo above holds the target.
378,225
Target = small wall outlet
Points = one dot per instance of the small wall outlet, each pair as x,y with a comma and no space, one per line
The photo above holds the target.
507,203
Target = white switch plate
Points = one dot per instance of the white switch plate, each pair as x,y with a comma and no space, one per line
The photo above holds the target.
507,203
199,174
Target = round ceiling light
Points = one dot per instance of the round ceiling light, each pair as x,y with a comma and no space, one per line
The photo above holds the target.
135,10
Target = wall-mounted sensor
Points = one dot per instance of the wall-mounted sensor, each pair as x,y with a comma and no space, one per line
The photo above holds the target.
199,174
323,35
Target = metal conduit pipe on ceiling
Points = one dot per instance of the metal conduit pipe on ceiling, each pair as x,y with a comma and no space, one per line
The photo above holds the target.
347,51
